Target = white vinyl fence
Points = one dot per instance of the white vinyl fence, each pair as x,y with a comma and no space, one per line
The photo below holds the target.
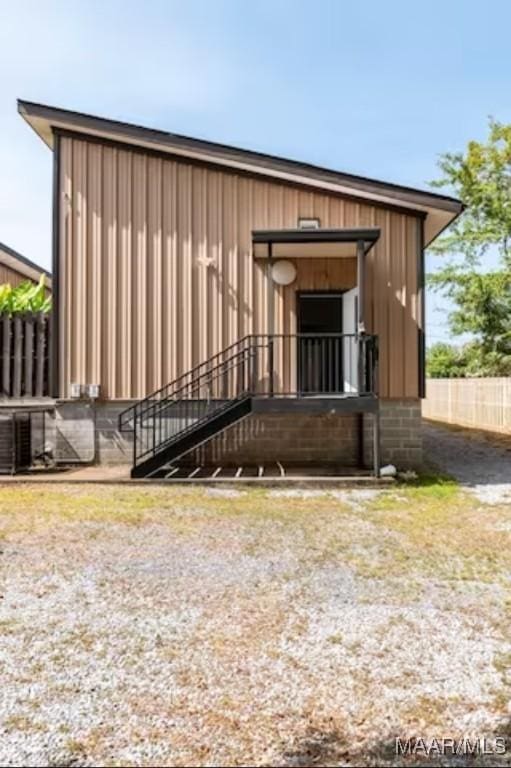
479,403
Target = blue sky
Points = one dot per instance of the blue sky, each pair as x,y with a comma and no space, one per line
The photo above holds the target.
375,88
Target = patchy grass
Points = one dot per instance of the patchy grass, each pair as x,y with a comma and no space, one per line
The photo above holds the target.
436,484
22,723
424,527
175,626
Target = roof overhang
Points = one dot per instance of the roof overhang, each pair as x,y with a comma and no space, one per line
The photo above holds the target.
18,263
312,243
438,210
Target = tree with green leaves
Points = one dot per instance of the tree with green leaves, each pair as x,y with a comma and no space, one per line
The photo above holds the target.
25,297
481,178
444,361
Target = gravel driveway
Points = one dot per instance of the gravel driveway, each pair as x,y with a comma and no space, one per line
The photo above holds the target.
479,462
181,627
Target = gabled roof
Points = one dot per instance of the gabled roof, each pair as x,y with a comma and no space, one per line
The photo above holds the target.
439,210
18,263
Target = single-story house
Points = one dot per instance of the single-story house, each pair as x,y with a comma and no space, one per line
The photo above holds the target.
16,269
224,307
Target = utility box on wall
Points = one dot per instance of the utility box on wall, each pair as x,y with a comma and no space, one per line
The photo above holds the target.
74,432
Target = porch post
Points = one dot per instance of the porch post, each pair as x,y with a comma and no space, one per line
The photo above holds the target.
360,314
271,317
361,442
376,441
361,284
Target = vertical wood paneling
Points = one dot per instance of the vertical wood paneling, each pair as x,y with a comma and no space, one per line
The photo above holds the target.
213,224
383,297
245,281
8,275
154,335
124,285
167,278
396,330
140,299
67,336
259,221
170,273
411,318
200,264
157,272
367,218
78,349
94,262
234,290
109,270
183,294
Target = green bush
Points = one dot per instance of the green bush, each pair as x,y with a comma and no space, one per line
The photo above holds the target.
26,297
445,361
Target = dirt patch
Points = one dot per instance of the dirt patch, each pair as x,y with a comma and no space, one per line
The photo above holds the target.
176,627
479,461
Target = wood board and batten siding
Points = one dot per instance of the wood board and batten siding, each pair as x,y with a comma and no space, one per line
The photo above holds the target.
11,276
157,271
16,269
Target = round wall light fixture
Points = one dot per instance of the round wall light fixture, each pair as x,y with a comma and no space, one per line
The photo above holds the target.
283,272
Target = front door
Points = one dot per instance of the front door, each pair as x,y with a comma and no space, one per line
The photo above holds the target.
320,350
349,344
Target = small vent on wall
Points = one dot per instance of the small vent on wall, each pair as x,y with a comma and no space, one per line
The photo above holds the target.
308,223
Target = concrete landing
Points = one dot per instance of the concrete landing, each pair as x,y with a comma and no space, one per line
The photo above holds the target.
259,476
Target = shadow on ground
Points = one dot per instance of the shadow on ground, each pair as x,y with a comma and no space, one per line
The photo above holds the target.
471,457
332,748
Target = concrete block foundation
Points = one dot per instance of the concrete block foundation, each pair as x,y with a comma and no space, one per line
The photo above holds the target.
87,432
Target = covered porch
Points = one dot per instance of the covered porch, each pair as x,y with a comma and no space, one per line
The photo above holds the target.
317,340
328,363
308,358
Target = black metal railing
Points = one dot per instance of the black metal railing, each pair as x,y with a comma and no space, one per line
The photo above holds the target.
277,365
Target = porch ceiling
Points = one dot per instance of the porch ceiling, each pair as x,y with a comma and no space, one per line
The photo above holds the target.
312,243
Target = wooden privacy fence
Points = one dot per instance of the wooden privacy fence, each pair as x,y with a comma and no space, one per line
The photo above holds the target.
479,403
25,343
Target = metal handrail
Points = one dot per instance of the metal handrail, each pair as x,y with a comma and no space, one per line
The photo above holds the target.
164,391
188,399
198,384
233,373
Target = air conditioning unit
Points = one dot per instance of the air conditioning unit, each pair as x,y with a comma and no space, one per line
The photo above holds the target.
15,442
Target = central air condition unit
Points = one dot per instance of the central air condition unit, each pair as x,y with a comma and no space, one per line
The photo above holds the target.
15,442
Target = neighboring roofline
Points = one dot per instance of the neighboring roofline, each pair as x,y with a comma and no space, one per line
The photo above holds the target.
226,154
24,266
369,236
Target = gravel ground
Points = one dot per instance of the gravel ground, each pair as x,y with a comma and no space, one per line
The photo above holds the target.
479,462
191,627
